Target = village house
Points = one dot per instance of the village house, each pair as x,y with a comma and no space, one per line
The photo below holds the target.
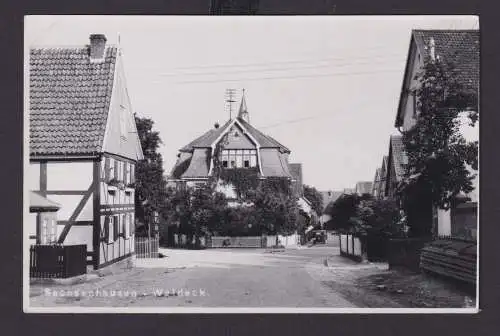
242,146
462,47
364,187
378,188
394,165
83,148
329,197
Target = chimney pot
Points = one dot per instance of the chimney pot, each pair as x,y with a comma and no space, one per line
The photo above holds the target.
97,46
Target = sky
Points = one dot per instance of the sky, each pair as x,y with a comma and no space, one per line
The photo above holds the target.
326,87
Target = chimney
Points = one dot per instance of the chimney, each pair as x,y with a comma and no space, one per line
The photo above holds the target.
97,47
433,49
216,125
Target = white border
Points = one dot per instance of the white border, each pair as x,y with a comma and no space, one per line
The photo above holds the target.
238,310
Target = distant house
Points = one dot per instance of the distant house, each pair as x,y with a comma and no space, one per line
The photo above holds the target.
241,146
84,146
364,187
378,187
462,47
395,165
329,197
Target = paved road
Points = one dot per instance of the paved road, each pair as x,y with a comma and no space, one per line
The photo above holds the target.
215,278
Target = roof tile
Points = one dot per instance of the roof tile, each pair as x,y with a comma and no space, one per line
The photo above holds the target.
69,100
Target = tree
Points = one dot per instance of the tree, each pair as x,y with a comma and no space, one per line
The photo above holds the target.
343,211
378,216
315,197
150,185
438,154
276,207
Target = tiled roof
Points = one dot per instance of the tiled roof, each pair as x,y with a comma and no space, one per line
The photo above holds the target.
398,155
265,141
329,197
274,163
69,100
199,165
206,140
459,46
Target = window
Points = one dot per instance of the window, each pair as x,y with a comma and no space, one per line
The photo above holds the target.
111,169
109,229
239,161
44,233
239,158
53,234
123,122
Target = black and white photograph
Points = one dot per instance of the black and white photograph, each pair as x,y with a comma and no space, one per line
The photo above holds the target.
251,164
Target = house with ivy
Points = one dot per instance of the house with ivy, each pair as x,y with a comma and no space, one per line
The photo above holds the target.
461,48
234,151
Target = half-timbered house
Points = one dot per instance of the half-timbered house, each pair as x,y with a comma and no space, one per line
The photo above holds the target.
84,145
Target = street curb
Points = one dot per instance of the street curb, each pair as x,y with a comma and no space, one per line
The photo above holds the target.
64,282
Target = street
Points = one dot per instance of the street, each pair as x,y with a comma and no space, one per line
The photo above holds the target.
209,278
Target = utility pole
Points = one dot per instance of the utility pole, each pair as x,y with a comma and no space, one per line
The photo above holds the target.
230,94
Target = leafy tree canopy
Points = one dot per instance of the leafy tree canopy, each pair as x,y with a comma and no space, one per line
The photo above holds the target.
315,197
439,157
150,180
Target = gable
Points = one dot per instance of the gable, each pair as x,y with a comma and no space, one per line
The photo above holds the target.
459,46
121,137
236,138
69,97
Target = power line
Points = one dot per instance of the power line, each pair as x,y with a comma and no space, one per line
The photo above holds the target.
290,77
371,61
280,62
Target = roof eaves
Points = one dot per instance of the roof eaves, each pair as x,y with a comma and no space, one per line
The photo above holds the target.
412,43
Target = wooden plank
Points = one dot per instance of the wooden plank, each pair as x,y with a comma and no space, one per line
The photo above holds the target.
75,215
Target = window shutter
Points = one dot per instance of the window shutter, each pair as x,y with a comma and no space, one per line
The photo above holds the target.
124,226
116,169
116,228
132,173
106,169
106,229
125,172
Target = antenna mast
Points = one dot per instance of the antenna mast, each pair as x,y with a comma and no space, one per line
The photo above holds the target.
230,94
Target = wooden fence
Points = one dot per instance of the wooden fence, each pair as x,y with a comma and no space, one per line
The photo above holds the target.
253,241
146,247
350,246
248,242
57,261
